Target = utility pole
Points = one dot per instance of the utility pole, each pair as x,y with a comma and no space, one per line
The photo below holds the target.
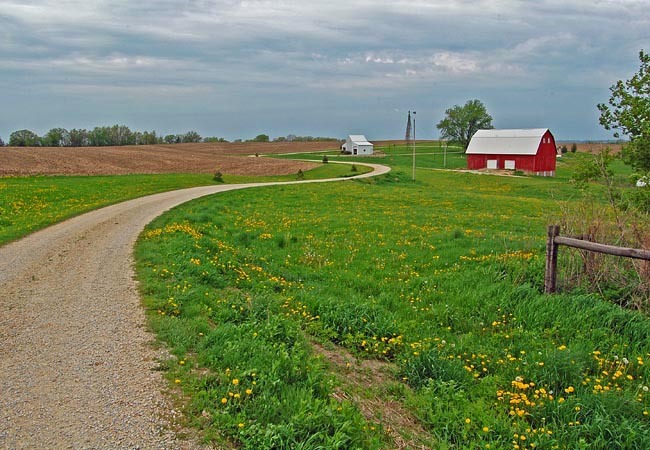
414,142
445,163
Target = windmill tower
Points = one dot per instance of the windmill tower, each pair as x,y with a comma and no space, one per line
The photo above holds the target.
407,138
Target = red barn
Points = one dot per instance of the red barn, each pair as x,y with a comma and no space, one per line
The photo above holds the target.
530,150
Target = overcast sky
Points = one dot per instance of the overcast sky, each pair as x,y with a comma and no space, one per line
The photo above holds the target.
235,69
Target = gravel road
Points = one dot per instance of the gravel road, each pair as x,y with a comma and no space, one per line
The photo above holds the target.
76,364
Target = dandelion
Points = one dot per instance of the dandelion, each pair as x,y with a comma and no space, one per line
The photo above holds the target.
468,421
224,401
235,381
177,381
249,391
486,429
241,425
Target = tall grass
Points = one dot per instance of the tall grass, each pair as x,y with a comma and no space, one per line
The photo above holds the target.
440,278
620,220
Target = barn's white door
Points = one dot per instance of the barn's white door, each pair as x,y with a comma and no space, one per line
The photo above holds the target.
492,164
509,164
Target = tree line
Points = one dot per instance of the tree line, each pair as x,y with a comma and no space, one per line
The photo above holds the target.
118,135
115,135
288,138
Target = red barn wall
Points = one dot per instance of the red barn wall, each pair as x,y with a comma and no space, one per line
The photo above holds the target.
542,163
546,157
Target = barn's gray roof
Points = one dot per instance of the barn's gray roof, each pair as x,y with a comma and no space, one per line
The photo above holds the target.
506,142
359,139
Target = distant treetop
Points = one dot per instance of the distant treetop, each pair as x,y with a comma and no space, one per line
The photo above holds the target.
118,135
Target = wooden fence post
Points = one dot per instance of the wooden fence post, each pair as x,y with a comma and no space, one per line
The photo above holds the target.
551,259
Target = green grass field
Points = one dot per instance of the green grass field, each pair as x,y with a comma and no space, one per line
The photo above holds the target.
438,281
382,313
429,155
28,204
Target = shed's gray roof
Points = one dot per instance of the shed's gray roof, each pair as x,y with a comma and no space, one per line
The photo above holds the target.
359,139
506,142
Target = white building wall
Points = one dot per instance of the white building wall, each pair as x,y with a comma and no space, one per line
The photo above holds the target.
358,146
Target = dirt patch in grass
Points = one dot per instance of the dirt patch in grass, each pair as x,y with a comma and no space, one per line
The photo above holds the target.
228,158
365,383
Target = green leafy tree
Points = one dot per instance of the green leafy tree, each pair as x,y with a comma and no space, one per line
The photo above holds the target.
191,136
147,138
628,112
56,137
120,135
99,137
78,137
214,139
24,138
261,138
461,122
172,139
2,143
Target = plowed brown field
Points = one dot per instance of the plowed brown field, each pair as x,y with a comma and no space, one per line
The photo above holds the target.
228,158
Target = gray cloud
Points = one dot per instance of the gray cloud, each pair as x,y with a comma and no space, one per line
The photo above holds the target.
237,68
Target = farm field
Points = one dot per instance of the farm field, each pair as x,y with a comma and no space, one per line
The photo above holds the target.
372,314
390,314
71,181
230,158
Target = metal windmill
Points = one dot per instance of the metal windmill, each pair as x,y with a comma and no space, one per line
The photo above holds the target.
408,131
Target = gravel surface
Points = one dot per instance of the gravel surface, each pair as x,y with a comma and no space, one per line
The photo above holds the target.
76,364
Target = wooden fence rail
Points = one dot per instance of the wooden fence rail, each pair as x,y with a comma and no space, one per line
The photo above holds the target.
554,240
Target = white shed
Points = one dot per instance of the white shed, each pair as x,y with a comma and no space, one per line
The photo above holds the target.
357,144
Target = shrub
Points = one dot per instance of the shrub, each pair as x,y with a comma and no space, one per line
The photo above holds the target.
325,160
218,176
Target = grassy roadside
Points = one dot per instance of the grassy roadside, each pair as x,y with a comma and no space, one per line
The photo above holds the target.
438,279
28,204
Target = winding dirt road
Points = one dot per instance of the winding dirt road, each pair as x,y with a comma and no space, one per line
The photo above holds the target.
76,364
